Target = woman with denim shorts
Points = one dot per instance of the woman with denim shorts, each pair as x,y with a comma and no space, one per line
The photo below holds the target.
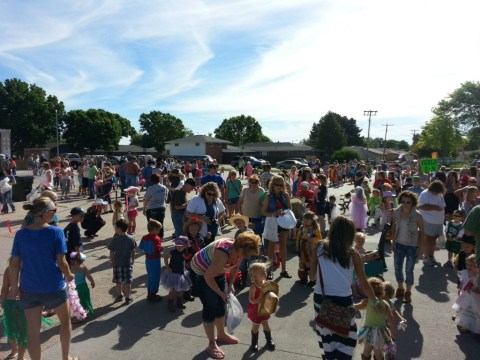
41,246
407,230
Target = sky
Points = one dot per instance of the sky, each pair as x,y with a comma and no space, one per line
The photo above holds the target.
284,62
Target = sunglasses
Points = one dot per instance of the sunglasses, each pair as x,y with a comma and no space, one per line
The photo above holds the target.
253,182
52,210
211,194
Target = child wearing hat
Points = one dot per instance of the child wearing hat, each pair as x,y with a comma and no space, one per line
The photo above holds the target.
241,222
82,273
132,205
467,248
151,245
262,301
72,231
176,278
191,229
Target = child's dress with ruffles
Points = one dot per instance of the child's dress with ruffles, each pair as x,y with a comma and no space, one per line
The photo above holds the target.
178,278
467,304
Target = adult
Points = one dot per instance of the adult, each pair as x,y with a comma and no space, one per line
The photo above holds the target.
472,228
452,201
122,177
178,205
92,174
132,170
396,185
407,230
241,166
321,202
416,185
431,205
233,190
333,266
359,175
266,175
93,222
210,265
274,205
207,207
308,177
213,176
41,246
154,201
46,178
250,203
147,172
66,174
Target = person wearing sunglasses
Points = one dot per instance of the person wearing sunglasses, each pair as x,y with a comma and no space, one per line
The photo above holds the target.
41,246
408,237
274,205
207,207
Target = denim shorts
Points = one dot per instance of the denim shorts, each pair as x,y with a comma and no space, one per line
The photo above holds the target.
30,300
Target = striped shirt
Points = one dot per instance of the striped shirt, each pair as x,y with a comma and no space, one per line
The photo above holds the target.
202,259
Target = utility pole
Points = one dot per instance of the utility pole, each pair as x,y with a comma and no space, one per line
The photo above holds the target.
414,132
369,113
385,141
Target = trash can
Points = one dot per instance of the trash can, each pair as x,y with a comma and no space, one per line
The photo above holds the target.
22,188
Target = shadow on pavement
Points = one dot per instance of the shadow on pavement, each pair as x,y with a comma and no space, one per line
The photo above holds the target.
466,345
294,299
433,283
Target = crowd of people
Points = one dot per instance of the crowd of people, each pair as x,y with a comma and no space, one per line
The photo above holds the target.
417,209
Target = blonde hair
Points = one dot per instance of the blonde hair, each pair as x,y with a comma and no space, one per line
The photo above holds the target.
118,205
257,267
39,206
359,235
153,225
275,180
377,286
49,194
310,215
209,186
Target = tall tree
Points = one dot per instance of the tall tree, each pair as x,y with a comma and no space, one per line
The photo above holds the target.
327,134
95,129
351,130
462,106
162,127
442,135
241,130
29,112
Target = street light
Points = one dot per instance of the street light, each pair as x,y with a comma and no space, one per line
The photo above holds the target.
56,122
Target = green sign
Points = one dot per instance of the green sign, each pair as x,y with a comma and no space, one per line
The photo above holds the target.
429,165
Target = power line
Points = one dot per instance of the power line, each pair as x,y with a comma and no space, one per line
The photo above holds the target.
369,113
385,141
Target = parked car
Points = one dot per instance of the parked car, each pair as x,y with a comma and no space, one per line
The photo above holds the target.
303,161
205,158
287,164
73,158
256,163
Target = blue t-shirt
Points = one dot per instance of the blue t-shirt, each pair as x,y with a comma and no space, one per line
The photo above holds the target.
38,250
213,178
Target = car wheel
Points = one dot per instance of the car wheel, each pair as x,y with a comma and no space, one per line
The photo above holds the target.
282,167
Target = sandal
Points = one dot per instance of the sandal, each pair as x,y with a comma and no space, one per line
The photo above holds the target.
285,274
228,340
11,356
400,293
215,353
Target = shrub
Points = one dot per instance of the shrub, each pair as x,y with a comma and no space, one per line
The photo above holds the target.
345,154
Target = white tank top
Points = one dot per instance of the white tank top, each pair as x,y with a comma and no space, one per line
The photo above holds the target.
336,279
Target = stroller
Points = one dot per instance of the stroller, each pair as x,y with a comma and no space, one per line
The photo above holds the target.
345,201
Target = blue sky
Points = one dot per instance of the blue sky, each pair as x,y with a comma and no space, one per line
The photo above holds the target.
284,62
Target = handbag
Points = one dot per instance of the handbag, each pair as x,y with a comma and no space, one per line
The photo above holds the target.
332,316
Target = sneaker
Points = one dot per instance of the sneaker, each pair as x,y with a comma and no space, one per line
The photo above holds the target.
427,261
128,300
448,264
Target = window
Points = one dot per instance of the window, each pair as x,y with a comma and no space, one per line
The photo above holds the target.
176,144
197,144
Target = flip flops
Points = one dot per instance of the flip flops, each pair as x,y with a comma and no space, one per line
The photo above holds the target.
228,340
215,353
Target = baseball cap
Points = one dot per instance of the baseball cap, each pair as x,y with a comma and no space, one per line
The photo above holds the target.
190,181
77,210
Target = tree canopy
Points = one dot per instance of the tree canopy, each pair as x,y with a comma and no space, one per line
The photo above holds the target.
327,134
95,129
241,130
462,106
29,112
158,128
351,130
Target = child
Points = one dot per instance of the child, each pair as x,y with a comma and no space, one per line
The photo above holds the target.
7,195
72,231
366,189
241,222
467,247
151,245
191,229
375,334
467,304
176,279
331,210
132,205
122,256
258,277
386,207
82,273
14,321
358,209
471,200
389,293
359,241
454,233
117,212
373,207
308,237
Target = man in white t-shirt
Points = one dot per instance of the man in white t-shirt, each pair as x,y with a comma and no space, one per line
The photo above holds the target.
431,206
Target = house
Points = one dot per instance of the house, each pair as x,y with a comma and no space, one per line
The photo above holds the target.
376,154
273,152
197,145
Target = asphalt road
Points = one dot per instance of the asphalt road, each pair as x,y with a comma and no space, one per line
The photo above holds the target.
148,331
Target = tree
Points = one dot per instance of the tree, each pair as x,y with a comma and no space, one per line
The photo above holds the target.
162,127
241,130
95,129
351,130
440,134
462,106
29,112
142,140
327,134
345,154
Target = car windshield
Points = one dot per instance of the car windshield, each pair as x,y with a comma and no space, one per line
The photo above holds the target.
253,158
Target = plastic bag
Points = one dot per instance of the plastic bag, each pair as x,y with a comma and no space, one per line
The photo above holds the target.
32,195
5,186
234,313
